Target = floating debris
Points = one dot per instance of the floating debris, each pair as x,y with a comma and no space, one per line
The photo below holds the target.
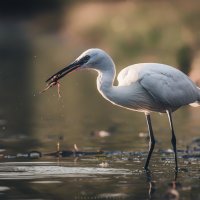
22,155
35,154
189,156
10,156
69,153
46,182
31,154
101,133
167,151
104,164
142,135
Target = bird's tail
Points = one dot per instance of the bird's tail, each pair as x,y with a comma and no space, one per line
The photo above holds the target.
196,103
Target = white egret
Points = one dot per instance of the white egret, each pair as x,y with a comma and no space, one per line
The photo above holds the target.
144,87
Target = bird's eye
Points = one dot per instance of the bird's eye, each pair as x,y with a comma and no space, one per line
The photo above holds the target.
84,59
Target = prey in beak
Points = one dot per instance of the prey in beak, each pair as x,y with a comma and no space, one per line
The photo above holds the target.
53,80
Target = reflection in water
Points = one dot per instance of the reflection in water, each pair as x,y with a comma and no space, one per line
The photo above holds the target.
152,185
171,193
67,178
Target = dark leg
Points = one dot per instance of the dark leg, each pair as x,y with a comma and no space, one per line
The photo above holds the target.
151,141
173,140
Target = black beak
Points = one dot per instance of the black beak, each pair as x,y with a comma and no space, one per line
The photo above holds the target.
54,78
76,64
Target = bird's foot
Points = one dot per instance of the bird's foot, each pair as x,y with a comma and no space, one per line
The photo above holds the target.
176,169
147,170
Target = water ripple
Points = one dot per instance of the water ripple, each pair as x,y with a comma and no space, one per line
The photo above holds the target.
32,171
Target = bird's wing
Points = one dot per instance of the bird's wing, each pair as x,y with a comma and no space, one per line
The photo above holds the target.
169,86
165,84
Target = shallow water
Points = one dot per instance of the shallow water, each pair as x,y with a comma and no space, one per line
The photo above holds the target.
85,178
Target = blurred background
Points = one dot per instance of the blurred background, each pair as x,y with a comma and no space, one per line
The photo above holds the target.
39,37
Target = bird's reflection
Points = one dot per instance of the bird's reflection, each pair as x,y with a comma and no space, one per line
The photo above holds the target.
152,185
171,192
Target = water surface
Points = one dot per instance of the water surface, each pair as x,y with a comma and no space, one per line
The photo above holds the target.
85,178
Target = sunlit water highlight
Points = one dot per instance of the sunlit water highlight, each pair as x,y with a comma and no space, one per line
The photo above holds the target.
78,178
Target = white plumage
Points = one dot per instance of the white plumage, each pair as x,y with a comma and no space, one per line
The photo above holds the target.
165,84
143,87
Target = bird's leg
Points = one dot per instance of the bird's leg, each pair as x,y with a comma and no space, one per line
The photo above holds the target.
151,141
173,140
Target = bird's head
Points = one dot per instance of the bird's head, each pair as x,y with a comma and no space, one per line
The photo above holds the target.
90,59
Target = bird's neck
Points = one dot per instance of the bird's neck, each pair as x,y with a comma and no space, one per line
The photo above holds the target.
105,82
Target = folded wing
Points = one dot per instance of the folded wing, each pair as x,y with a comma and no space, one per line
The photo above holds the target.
165,84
